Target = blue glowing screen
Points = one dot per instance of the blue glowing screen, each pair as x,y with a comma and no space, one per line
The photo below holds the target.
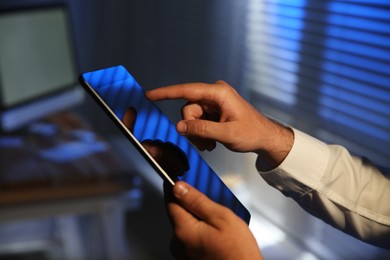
120,91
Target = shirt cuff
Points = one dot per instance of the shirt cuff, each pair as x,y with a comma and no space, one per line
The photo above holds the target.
303,167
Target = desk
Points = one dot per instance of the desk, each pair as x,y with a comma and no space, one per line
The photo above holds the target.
106,229
59,169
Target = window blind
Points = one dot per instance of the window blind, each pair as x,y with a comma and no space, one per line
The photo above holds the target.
324,67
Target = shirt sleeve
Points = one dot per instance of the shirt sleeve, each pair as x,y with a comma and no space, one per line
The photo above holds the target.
345,191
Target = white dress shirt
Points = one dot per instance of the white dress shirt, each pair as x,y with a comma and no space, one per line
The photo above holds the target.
345,191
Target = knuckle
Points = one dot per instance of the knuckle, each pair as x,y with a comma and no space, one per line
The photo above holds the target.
224,84
191,111
197,202
221,82
185,108
225,89
225,217
200,128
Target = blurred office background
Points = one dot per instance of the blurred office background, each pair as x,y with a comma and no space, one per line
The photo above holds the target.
320,66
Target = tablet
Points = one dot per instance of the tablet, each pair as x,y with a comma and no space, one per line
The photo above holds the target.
145,126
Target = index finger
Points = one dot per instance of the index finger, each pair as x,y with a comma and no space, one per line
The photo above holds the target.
188,91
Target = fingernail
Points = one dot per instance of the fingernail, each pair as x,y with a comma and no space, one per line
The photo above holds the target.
181,127
180,189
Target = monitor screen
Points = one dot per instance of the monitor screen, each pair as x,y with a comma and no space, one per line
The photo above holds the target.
36,64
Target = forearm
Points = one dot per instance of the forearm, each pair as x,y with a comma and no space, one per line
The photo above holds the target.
343,190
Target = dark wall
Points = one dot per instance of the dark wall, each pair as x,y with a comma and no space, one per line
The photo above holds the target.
115,32
109,33
160,42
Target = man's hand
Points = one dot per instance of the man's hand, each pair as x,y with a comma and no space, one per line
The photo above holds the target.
216,112
204,229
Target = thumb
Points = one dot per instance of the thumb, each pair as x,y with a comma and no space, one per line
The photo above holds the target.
197,203
205,129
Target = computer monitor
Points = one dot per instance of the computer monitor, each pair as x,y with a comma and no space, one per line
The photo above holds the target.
38,72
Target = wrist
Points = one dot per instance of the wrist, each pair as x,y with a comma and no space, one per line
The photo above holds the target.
276,147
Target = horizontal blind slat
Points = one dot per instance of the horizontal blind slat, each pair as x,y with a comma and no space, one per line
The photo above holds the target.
333,59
